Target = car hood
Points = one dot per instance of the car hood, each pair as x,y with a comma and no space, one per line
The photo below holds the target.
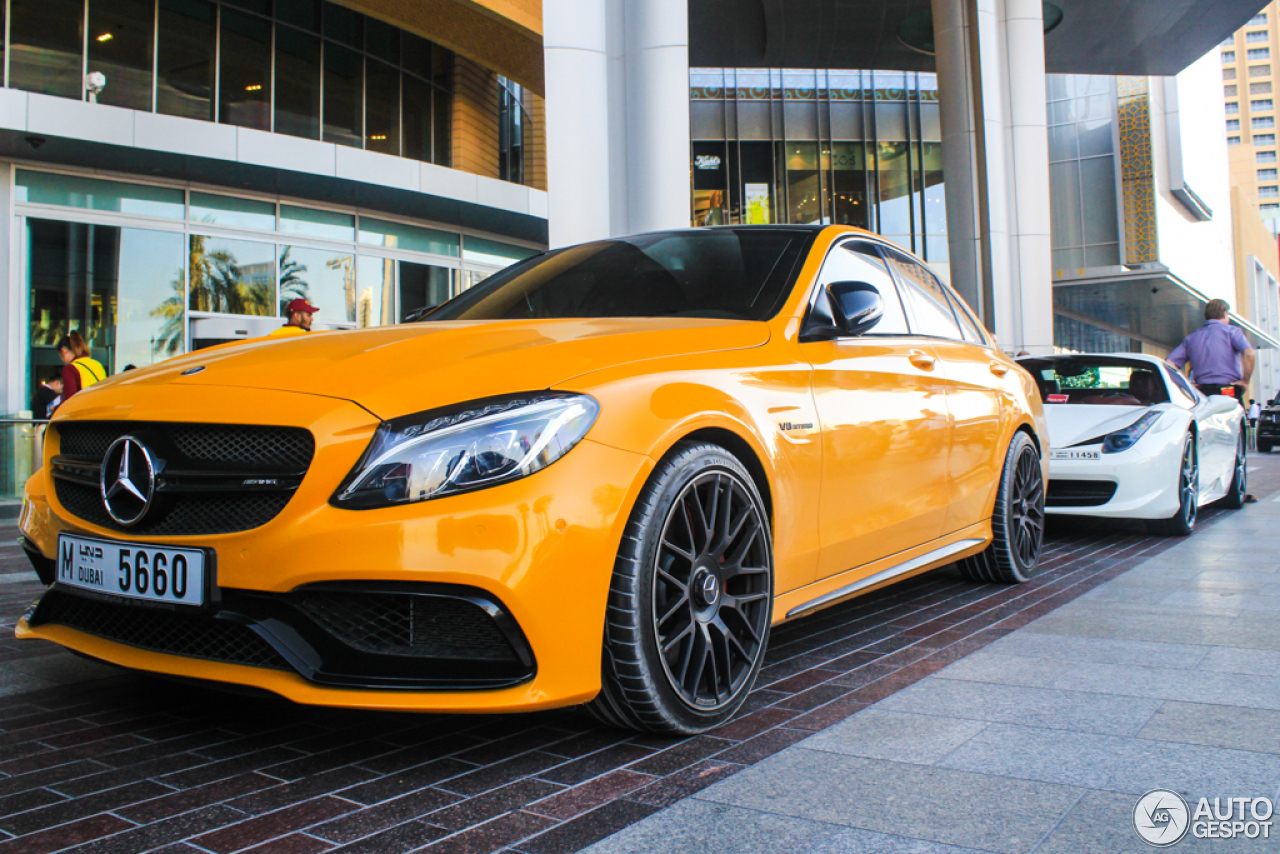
1073,423
398,370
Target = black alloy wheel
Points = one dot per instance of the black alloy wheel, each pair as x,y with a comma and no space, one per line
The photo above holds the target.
1017,520
1235,496
691,599
1182,522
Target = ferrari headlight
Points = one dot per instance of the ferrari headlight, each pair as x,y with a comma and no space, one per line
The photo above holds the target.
444,452
1123,440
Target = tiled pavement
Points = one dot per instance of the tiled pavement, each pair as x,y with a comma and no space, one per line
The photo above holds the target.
93,760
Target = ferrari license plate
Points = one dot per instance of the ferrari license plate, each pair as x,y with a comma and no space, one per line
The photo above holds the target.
1075,455
132,570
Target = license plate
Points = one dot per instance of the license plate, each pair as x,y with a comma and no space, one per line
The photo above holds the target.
132,570
1075,455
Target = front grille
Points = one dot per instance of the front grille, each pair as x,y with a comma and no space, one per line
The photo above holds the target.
190,635
206,466
230,444
212,513
406,624
1079,493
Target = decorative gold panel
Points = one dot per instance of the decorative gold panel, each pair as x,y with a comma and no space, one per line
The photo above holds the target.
1136,173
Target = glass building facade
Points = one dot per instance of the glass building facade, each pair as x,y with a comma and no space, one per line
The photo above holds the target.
859,148
147,271
515,133
306,68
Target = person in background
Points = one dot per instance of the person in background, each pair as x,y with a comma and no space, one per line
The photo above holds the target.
79,369
300,314
49,391
1255,412
1221,358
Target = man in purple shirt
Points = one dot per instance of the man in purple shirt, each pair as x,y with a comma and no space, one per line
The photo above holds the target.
1221,357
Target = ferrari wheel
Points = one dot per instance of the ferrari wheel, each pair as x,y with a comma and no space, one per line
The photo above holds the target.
691,599
1017,521
1239,478
1181,523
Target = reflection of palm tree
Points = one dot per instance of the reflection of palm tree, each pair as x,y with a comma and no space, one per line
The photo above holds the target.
292,285
169,341
218,283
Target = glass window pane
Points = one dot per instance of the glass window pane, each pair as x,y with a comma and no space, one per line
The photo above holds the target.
382,108
1096,138
344,25
422,286
382,40
395,235
317,223
228,210
232,276
483,251
343,109
300,13
244,91
416,55
926,298
1107,255
186,60
849,183
323,277
297,84
442,67
891,121
442,139
895,189
1062,143
1098,185
151,308
120,38
935,196
417,118
47,188
46,46
262,7
1065,225
803,203
375,300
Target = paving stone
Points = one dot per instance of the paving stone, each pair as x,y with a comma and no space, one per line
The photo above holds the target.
903,737
1255,730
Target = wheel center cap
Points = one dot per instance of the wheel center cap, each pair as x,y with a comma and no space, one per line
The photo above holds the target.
706,587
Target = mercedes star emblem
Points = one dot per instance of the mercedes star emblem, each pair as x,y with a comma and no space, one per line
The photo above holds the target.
128,480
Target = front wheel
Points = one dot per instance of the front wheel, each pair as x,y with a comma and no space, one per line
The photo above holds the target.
691,599
1181,523
1017,522
1235,496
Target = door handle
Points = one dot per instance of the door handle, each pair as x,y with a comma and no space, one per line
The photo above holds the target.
999,368
921,360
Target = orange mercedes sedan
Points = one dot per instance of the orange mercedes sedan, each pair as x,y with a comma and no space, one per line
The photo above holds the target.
598,477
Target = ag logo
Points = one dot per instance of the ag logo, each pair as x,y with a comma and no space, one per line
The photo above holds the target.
1161,818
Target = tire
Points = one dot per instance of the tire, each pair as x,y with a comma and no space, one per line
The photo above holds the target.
1183,522
1264,447
1017,520
1234,499
690,602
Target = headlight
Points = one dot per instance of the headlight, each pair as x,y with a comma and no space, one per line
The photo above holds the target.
483,443
1123,440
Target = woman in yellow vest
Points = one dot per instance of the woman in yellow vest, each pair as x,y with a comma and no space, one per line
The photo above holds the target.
79,369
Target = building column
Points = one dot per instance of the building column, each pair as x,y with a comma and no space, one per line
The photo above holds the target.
617,102
990,61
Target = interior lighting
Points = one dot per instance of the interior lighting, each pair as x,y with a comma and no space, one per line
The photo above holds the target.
105,37
256,87
378,136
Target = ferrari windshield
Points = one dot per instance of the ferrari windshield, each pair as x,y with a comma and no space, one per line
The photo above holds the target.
735,273
1097,381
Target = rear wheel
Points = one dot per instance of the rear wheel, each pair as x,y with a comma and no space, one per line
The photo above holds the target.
1181,523
691,598
1239,478
1017,522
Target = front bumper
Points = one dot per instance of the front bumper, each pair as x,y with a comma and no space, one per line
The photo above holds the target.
538,552
1144,478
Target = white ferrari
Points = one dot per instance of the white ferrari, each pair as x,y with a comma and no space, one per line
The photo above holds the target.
1130,437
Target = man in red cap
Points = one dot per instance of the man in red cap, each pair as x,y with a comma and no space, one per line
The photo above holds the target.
300,313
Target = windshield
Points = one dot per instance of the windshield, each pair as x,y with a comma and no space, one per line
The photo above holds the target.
739,274
1113,382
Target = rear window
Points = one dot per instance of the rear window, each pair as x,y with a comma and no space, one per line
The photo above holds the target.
1096,382
739,274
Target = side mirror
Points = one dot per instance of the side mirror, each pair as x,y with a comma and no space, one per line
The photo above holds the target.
856,307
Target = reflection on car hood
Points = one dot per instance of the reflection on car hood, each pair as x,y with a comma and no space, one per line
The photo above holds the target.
1072,423
397,370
